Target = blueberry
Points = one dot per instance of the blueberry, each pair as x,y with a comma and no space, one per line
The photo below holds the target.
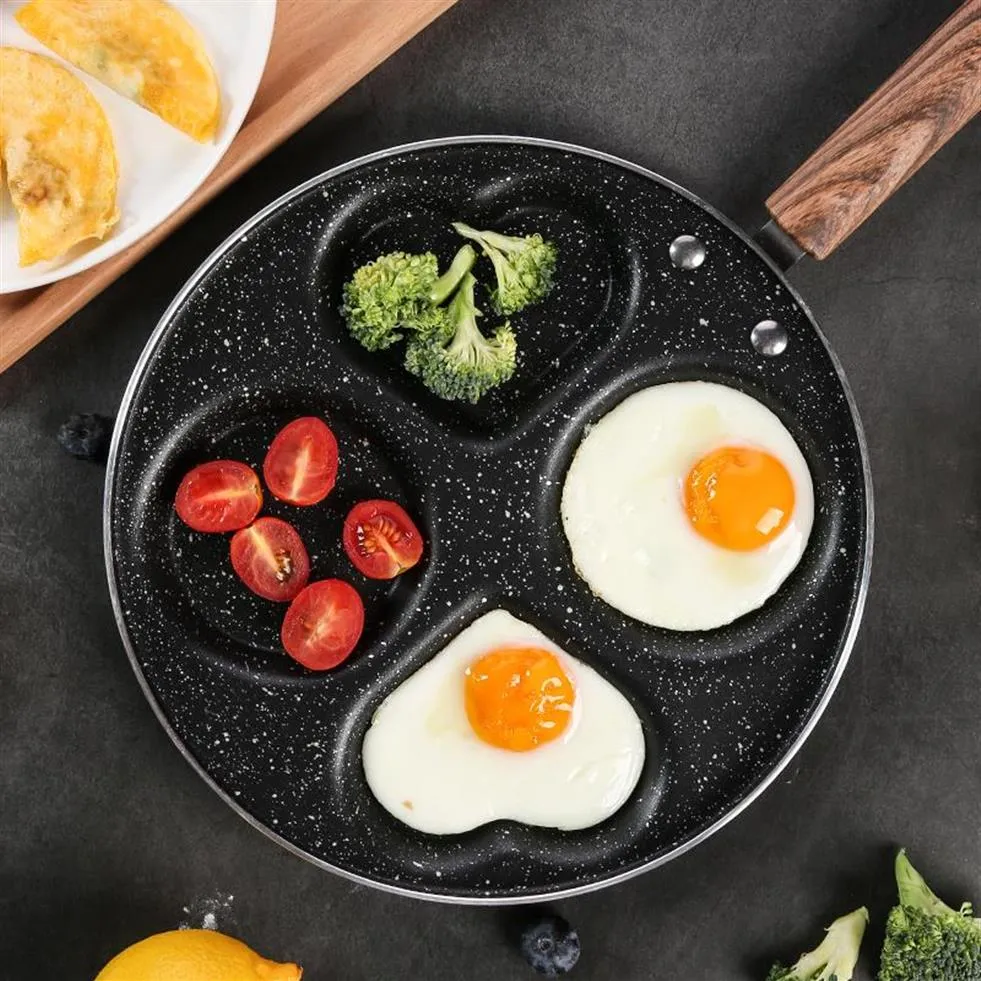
550,946
86,436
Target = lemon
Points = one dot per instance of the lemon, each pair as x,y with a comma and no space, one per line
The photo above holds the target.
194,955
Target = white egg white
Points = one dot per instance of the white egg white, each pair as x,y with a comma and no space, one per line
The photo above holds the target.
427,767
624,517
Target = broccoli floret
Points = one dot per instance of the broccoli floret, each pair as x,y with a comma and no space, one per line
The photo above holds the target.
399,292
461,363
926,940
835,958
524,267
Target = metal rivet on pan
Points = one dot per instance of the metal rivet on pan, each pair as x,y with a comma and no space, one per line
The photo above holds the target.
687,252
769,338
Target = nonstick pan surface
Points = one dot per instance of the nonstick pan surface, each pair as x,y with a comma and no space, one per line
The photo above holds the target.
255,339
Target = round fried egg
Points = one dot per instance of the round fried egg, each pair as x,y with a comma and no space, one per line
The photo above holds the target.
687,505
502,723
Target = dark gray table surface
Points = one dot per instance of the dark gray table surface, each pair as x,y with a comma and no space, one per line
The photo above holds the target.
106,834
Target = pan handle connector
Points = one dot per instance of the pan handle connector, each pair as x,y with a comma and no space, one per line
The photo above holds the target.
886,140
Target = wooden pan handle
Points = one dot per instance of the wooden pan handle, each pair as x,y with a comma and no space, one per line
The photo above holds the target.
888,138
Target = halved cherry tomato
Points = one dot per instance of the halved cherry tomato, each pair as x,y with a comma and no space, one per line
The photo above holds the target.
301,465
381,539
323,624
269,557
223,495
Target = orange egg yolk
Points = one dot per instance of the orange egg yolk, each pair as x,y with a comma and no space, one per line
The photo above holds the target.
518,698
738,497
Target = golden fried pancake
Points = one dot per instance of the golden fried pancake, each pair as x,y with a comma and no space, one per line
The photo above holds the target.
58,156
144,49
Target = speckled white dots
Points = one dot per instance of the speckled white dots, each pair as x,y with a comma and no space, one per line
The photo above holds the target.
259,339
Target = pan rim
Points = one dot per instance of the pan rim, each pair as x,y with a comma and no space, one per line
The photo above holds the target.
136,377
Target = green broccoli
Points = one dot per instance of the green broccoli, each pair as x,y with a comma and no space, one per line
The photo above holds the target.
524,267
460,363
926,940
400,291
835,958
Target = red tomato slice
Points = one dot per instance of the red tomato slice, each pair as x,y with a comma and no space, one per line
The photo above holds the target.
381,539
269,557
223,495
323,624
301,465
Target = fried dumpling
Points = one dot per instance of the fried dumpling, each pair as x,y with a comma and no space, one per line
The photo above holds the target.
58,156
144,49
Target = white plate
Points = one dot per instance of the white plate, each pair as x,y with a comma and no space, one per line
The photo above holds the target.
159,167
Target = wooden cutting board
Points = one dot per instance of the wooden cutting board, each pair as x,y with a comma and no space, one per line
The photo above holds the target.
320,48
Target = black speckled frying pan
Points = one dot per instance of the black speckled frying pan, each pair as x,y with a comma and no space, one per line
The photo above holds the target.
653,286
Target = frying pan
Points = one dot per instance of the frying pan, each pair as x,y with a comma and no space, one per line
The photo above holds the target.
653,286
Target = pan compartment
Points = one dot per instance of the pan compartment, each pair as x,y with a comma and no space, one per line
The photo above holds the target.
192,570
824,559
455,859
593,303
